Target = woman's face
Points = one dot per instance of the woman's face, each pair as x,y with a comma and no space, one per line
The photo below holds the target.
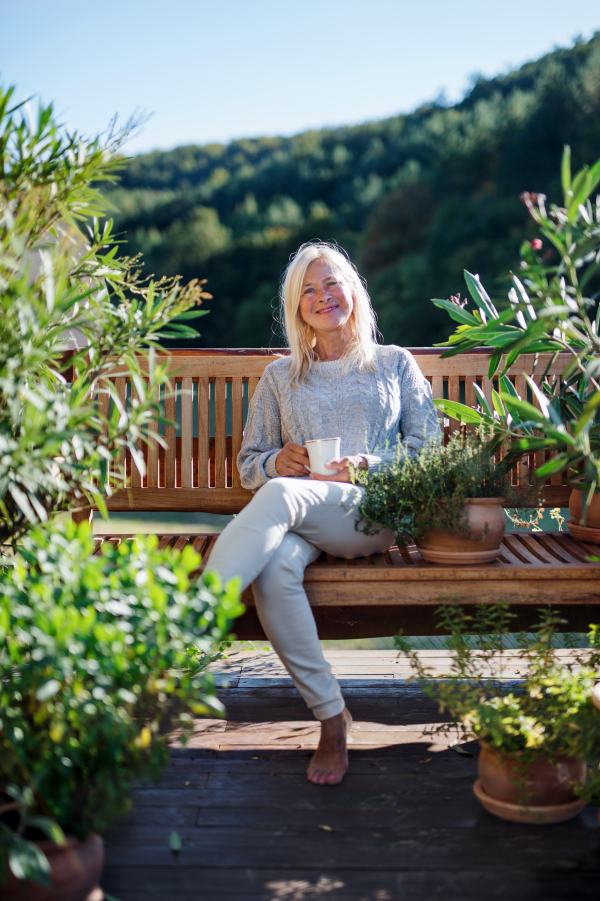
326,302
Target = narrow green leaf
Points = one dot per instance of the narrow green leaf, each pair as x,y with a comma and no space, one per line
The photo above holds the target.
588,415
22,502
459,749
460,411
479,294
527,410
507,386
566,173
456,312
498,405
483,401
494,363
556,464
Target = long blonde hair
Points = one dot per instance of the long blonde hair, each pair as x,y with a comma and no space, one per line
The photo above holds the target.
300,336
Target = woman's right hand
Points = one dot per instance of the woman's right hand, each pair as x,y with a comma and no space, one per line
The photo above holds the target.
292,460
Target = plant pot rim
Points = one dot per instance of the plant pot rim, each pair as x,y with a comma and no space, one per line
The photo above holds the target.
47,844
540,753
484,501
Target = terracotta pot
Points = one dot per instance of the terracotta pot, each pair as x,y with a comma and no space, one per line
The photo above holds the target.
537,790
480,542
590,532
592,520
74,873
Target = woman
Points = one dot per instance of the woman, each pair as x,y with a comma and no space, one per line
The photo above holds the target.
336,381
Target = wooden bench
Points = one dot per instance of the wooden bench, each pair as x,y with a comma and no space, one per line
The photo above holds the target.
370,596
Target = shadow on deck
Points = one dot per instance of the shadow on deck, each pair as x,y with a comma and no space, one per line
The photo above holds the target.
404,824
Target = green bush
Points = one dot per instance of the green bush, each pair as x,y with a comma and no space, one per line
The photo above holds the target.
98,654
548,712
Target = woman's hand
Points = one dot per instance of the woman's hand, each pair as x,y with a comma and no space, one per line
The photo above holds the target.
292,460
342,474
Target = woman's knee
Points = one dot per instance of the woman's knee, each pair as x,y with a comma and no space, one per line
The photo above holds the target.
285,569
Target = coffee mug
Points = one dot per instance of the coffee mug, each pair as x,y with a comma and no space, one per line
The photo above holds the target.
322,451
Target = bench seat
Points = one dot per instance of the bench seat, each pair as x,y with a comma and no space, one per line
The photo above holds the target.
368,597
379,595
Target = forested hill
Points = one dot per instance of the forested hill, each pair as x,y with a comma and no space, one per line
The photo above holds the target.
414,199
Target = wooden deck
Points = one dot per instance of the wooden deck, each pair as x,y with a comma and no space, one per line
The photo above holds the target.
404,824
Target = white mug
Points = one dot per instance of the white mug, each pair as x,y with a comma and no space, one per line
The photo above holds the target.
322,451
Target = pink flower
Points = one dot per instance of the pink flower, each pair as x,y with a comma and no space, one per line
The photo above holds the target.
536,244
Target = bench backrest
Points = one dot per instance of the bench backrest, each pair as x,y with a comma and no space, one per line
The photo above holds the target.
197,471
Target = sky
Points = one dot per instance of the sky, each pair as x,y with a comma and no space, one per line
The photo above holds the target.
214,70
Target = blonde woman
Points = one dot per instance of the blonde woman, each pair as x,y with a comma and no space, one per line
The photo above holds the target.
336,381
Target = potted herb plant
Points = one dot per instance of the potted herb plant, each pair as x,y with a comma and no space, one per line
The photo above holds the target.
96,653
537,736
448,500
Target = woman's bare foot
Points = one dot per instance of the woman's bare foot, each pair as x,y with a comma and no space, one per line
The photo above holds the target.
330,760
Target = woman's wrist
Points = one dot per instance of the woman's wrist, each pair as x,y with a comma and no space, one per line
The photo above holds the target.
271,465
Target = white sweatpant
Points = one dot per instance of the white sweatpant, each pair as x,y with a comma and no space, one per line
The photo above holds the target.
270,543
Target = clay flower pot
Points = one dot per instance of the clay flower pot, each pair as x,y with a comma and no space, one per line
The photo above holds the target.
529,791
480,542
74,873
590,532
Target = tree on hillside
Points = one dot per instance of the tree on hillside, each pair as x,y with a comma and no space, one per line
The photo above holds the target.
413,198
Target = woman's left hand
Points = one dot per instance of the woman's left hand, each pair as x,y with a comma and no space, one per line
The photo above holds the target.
342,473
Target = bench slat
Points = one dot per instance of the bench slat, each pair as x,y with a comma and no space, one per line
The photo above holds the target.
136,476
187,431
121,386
487,390
220,432
203,432
454,394
152,474
538,551
170,436
470,396
237,426
199,500
552,546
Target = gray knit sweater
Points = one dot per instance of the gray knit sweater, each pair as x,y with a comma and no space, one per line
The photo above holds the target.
369,411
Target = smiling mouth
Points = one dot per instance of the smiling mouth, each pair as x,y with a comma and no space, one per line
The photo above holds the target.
328,309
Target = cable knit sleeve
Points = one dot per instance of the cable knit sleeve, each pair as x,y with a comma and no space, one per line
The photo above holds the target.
262,436
419,420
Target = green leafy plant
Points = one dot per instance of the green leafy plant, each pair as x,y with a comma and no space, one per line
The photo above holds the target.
98,655
552,307
549,712
425,491
71,312
24,858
